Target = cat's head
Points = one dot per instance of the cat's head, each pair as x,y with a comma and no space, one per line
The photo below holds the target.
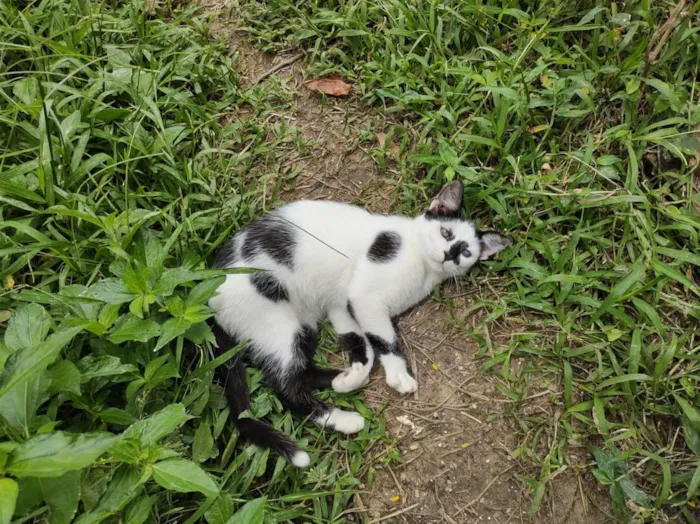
451,242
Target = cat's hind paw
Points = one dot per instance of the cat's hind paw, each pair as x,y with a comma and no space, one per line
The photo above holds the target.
401,381
355,377
344,421
397,376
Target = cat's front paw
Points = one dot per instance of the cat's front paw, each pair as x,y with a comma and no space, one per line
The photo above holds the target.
353,378
401,380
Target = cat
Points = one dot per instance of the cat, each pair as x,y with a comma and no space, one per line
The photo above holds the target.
324,259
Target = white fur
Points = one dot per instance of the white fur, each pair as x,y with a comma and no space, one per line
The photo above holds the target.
344,421
355,377
301,459
323,280
397,375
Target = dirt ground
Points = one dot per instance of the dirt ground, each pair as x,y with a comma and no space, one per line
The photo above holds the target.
458,468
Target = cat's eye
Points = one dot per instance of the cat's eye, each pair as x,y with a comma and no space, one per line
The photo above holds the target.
446,233
466,253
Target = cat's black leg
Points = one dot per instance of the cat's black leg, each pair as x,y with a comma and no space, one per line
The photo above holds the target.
296,395
379,330
354,342
320,378
294,379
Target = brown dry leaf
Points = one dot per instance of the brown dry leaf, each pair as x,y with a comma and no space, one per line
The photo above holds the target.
381,138
330,86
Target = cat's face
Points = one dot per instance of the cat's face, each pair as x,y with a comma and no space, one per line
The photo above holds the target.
451,243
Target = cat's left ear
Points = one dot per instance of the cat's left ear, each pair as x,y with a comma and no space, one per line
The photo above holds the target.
448,202
492,242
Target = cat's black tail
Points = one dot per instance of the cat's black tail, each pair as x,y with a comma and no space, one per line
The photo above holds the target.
238,396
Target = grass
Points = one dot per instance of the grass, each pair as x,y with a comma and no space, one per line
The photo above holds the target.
565,132
129,153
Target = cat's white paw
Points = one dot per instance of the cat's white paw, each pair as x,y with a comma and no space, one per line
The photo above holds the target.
397,376
344,421
401,380
353,378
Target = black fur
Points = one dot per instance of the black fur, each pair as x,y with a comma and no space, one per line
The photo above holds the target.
226,256
354,344
238,396
385,247
381,346
268,286
305,344
273,236
294,388
456,251
351,311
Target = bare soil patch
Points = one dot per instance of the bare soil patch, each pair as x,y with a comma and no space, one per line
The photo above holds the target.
457,444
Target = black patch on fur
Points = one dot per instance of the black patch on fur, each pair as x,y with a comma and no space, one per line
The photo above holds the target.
268,286
238,397
273,236
456,251
319,378
305,344
381,346
354,344
226,256
351,311
385,247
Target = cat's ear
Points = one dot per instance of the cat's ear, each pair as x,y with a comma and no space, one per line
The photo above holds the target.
492,242
448,202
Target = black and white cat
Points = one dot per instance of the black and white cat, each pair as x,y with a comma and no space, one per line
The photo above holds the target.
326,259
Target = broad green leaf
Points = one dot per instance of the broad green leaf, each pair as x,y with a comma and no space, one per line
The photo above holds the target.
632,492
202,292
111,291
158,425
18,406
203,443
65,377
8,498
171,278
140,510
126,484
30,495
53,454
28,326
117,416
107,366
26,90
173,327
23,365
61,494
253,512
130,327
220,511
184,476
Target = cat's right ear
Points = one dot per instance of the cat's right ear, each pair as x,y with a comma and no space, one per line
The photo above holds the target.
448,202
